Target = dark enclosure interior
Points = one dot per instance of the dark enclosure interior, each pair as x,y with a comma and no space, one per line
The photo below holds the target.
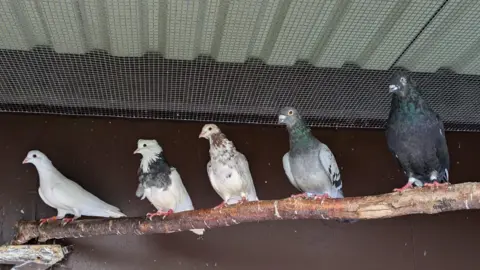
97,153
235,63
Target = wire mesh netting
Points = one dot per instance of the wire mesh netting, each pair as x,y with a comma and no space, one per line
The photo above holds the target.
238,61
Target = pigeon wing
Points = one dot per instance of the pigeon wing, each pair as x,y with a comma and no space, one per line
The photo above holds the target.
288,171
442,151
215,180
242,168
329,163
70,195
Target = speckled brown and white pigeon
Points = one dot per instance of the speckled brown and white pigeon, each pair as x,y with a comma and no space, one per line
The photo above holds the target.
228,169
160,183
309,165
416,136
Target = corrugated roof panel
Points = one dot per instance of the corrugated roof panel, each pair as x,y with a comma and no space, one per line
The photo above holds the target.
235,28
404,21
125,28
319,32
209,22
365,29
370,33
183,29
472,61
154,24
64,25
28,12
11,29
95,24
264,23
374,34
298,21
451,40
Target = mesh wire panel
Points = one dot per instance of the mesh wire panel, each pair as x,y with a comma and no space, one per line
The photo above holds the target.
238,61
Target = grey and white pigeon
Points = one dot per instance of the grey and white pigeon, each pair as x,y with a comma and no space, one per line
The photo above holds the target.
160,183
228,169
416,136
66,196
309,165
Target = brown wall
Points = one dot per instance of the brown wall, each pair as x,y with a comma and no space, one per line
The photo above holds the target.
97,153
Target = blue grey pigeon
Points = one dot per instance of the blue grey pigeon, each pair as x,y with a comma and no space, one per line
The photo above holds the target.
309,165
416,136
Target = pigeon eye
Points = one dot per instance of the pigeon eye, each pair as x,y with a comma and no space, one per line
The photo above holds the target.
34,156
290,112
210,128
144,145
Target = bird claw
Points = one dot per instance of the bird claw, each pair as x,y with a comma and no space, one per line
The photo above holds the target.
321,197
65,221
435,184
159,213
307,195
220,206
243,200
407,186
301,195
45,220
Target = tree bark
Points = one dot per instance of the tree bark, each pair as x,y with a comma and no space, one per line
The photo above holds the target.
32,256
414,201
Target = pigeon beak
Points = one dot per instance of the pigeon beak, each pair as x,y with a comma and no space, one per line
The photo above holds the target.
201,135
392,88
281,119
136,151
26,160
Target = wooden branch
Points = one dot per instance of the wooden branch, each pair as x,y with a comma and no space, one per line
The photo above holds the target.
32,256
415,201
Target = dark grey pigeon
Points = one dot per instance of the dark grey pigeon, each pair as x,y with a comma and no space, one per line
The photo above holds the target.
416,136
309,165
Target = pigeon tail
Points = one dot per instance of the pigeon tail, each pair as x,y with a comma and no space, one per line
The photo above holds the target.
348,221
252,198
236,199
198,231
334,194
116,214
337,194
104,213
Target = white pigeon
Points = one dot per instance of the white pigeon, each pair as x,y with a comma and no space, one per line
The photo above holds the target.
66,196
160,183
228,169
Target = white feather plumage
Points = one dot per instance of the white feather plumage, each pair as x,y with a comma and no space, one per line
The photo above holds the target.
65,195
